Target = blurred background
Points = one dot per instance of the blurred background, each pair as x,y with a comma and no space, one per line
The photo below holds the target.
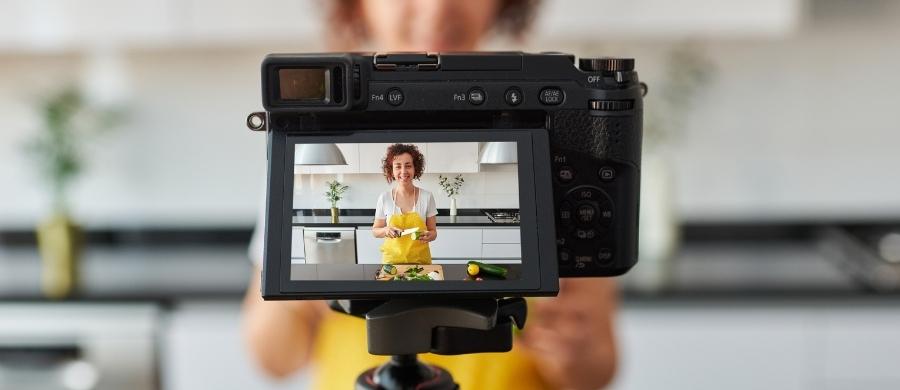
770,206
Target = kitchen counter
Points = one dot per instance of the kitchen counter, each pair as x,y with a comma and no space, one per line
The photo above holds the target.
756,269
358,220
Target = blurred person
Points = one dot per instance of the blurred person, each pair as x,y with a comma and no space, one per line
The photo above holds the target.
568,342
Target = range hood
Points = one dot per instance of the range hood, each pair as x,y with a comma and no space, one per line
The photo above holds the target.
318,154
498,153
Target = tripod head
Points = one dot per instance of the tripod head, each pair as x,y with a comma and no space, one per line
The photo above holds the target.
406,327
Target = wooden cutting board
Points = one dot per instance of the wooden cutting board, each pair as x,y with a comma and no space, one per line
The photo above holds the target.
402,268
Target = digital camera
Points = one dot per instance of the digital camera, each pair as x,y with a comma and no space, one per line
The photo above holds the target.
522,168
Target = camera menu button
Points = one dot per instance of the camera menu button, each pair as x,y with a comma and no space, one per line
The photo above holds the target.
586,214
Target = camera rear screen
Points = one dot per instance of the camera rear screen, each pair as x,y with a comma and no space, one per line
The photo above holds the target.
303,84
406,212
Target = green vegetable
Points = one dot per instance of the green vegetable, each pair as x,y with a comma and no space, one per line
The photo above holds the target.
411,230
389,269
414,270
489,269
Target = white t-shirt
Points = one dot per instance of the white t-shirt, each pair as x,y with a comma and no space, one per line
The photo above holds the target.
424,205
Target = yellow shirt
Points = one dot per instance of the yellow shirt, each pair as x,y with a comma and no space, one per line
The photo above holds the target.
340,355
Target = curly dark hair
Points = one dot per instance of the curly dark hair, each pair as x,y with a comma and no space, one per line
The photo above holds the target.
387,164
514,18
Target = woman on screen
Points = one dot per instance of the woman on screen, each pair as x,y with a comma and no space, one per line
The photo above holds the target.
405,216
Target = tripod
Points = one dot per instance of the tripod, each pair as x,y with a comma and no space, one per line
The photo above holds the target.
404,328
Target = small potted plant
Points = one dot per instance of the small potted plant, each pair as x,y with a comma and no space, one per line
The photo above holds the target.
69,124
334,194
451,188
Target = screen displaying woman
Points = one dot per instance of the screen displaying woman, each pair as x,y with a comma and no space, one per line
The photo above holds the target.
405,215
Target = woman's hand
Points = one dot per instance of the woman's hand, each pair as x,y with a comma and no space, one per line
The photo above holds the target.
392,232
571,336
428,236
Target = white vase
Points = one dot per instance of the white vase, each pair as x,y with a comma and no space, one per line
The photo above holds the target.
453,207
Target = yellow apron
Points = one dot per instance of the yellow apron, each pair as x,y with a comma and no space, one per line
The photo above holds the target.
340,354
405,250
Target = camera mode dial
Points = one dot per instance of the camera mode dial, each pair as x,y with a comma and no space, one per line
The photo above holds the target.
606,64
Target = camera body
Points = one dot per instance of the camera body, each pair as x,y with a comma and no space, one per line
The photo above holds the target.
590,112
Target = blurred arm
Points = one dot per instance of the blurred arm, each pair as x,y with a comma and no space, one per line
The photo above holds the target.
571,336
280,334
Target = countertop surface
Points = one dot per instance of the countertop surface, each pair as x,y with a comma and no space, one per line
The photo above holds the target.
730,270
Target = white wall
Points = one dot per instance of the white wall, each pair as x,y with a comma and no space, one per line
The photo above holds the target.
493,187
802,126
184,156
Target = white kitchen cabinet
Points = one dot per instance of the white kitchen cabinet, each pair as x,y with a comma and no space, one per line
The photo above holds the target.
368,247
501,251
351,156
457,242
297,251
371,154
502,236
452,157
715,347
202,346
501,243
859,347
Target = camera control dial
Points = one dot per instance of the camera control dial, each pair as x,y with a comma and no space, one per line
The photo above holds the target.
606,64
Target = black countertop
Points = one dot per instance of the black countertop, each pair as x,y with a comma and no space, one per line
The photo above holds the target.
771,267
737,270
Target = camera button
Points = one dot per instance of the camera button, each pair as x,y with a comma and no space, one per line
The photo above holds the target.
605,213
476,96
565,212
587,193
565,174
395,96
564,255
586,214
605,255
551,96
607,173
586,234
582,259
513,96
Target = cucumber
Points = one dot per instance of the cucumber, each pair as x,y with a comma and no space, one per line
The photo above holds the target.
489,269
389,269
